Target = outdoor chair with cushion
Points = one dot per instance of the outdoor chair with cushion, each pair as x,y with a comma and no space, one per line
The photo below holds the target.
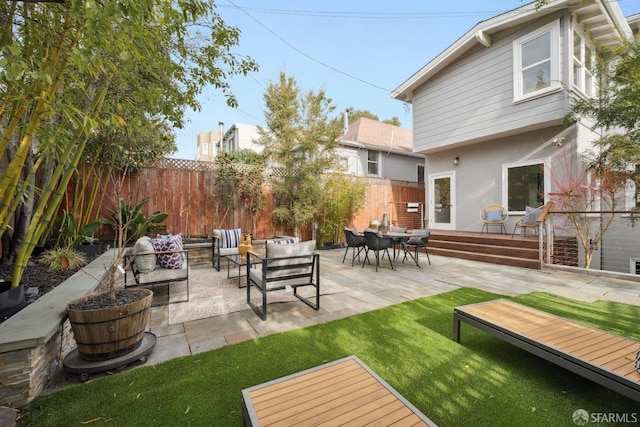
415,243
286,266
225,242
377,243
494,215
354,241
530,220
157,261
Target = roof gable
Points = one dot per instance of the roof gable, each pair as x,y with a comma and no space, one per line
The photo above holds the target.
603,19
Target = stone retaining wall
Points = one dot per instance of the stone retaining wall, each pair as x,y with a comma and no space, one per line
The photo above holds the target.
35,341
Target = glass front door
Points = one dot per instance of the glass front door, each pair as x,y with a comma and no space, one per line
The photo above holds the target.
442,201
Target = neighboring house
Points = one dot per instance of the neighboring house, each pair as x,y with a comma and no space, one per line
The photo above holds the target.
488,111
207,146
238,137
241,137
380,150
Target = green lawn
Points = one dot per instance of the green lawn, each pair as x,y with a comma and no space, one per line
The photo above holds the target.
479,381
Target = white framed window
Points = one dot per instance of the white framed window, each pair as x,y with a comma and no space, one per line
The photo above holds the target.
373,163
583,64
205,148
420,177
524,184
536,62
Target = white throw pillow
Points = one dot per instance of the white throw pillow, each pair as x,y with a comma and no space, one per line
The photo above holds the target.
144,263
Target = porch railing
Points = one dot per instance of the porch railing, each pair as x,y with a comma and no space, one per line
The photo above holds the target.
602,240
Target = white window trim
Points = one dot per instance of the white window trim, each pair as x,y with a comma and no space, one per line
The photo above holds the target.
585,41
505,181
378,162
555,80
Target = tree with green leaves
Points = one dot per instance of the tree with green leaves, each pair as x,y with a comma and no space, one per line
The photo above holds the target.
83,72
300,139
615,113
342,198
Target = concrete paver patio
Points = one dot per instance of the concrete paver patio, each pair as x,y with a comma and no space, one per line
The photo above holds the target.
369,290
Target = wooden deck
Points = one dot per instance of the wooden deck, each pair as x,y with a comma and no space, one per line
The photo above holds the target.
600,356
493,248
344,392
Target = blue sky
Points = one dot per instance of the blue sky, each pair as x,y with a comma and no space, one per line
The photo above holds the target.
357,51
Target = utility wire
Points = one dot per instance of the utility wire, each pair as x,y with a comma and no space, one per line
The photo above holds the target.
306,55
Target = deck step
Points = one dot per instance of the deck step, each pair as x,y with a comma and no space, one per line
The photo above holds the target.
487,247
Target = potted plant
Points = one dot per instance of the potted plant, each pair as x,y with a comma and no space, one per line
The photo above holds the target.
113,322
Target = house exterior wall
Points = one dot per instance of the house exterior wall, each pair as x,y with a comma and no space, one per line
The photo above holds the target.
394,166
479,175
472,99
240,137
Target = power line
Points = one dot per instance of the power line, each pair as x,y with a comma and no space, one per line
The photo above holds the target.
307,55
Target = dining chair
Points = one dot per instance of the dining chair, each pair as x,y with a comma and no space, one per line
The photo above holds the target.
377,243
397,241
415,243
355,241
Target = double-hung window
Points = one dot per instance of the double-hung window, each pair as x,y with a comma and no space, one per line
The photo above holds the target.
583,64
536,62
373,163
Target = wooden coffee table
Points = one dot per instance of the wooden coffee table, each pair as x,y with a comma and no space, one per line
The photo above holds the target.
344,392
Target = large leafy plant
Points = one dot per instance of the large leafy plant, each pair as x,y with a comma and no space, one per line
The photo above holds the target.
136,224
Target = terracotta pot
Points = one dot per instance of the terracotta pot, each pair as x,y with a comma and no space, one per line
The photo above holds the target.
105,333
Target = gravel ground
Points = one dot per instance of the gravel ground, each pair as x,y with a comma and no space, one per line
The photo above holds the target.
37,279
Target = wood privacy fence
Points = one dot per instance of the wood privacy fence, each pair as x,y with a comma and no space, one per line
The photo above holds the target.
184,189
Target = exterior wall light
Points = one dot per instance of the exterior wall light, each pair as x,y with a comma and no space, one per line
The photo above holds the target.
456,161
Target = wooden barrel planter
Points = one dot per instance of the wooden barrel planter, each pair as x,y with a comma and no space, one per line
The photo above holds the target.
111,331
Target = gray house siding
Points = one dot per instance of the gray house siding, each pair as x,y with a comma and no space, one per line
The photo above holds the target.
472,99
400,167
478,176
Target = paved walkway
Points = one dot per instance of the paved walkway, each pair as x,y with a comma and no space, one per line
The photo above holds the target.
370,290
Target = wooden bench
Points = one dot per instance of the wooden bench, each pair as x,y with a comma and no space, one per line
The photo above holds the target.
600,356
344,392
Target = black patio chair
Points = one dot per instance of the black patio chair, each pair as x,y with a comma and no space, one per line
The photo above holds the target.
354,241
415,243
375,242
397,241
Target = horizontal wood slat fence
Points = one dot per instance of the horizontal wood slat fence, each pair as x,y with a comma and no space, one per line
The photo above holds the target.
184,189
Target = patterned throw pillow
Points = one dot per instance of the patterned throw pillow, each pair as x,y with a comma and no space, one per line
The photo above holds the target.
638,360
282,241
174,260
177,239
230,238
494,215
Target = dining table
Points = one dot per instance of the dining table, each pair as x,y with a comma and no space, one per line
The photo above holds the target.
402,237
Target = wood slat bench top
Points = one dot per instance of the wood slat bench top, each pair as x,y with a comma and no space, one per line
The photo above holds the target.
607,352
344,392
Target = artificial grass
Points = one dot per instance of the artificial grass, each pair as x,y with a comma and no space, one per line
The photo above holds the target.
479,381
